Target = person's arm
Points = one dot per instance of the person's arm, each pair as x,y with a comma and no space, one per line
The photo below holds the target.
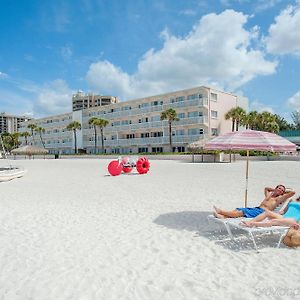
268,191
287,195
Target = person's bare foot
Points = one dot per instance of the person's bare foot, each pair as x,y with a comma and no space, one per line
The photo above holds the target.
219,216
217,210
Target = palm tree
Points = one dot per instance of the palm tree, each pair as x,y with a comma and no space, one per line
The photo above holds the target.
170,115
264,120
237,114
40,130
240,114
31,127
15,139
74,126
25,134
95,122
102,123
231,115
252,121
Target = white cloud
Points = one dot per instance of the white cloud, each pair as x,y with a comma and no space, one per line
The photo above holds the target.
53,98
263,5
284,34
3,75
294,101
260,107
218,50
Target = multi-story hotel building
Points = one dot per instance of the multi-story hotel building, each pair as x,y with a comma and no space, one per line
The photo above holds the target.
83,101
10,123
135,126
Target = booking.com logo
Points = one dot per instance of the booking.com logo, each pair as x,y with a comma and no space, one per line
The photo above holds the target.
278,292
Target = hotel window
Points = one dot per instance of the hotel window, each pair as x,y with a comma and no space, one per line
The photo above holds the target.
145,135
180,132
193,114
179,99
193,131
155,118
214,131
143,150
213,96
192,97
130,136
181,115
157,134
214,114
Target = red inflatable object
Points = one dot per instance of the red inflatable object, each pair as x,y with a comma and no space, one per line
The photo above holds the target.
115,168
143,165
127,169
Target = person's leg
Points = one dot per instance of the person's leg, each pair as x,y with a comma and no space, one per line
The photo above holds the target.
228,214
273,222
260,217
273,215
283,222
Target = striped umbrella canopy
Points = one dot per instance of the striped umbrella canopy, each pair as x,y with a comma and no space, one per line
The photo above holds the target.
250,140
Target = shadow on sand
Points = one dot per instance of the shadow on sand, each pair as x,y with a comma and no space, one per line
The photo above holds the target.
197,222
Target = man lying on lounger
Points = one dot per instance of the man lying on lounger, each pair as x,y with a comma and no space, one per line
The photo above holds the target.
273,197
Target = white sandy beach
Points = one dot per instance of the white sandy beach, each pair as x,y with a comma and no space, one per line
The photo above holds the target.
71,231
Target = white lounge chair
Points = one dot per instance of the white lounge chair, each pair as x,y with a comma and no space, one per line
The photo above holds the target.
236,223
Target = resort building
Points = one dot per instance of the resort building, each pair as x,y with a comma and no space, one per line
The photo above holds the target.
10,123
83,101
135,126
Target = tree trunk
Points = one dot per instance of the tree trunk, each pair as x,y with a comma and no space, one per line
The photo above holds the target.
237,125
170,136
102,141
42,140
26,141
233,121
95,130
75,140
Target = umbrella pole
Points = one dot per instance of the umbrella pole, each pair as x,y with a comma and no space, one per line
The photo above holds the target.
247,175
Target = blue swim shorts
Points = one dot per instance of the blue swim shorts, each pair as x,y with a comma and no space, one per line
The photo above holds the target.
251,212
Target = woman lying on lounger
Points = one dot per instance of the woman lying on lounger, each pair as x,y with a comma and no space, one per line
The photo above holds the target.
290,216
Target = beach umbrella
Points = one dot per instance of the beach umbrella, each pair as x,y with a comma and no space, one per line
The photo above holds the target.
29,150
250,140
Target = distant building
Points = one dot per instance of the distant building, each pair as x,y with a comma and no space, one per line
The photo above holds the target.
292,135
11,123
82,101
135,125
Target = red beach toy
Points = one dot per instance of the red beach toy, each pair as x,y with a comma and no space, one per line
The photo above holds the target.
126,164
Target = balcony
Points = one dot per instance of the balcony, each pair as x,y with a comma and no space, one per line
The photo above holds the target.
151,141
156,108
151,125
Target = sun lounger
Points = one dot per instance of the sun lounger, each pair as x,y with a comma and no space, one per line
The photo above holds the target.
236,223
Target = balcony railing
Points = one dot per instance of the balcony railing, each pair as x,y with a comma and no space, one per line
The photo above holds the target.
155,108
163,140
151,125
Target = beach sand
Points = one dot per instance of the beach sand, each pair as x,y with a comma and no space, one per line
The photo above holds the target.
70,231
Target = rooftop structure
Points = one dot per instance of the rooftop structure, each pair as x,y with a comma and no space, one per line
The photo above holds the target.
81,100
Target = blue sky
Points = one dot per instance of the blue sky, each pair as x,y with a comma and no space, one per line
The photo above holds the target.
136,48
